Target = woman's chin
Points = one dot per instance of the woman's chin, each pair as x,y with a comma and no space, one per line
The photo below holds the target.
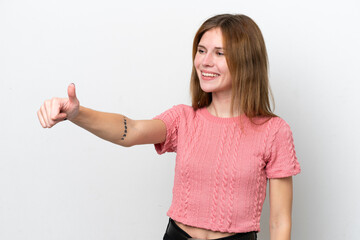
207,89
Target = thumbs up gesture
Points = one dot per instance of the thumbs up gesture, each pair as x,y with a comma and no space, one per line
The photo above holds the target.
59,109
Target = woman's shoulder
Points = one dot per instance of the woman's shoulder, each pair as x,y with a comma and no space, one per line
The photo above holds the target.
181,109
278,121
177,112
268,125
277,127
269,122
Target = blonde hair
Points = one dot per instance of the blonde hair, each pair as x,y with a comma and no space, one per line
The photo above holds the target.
248,65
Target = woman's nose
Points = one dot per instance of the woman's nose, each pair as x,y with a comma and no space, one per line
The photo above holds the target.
208,60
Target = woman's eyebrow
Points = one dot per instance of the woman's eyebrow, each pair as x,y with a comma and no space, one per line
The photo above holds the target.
217,48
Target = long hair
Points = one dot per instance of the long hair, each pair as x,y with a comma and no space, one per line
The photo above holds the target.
247,61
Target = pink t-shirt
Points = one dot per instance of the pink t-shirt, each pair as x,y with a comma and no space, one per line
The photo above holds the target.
222,166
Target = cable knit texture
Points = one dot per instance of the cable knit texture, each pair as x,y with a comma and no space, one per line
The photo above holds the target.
222,166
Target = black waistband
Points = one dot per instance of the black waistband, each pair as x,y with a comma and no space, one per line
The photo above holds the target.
176,233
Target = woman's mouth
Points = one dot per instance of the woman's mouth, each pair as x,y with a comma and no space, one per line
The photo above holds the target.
209,75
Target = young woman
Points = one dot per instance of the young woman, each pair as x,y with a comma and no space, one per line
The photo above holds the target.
228,143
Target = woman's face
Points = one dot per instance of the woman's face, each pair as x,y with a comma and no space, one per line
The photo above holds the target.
210,63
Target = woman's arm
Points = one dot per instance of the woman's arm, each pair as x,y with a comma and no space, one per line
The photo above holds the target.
280,195
120,129
112,127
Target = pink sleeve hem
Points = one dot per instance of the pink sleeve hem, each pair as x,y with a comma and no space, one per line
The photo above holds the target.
160,147
284,174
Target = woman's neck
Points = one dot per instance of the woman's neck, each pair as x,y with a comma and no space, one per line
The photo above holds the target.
221,107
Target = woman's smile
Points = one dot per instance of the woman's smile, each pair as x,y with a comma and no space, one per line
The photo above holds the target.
205,75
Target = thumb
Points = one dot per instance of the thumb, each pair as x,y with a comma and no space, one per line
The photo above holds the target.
72,93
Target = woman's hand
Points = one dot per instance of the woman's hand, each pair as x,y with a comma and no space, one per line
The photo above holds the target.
59,109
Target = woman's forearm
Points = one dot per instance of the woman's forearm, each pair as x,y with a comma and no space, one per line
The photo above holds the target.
112,127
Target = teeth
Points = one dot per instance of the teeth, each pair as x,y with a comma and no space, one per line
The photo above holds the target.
209,74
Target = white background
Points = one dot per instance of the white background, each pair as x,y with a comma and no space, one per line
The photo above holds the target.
134,58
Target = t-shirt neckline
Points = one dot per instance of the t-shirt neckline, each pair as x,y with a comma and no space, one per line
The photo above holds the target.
205,112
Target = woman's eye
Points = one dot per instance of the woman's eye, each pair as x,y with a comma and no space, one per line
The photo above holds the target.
220,53
201,51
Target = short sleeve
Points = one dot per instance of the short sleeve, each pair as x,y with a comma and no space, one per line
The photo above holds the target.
171,119
282,161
